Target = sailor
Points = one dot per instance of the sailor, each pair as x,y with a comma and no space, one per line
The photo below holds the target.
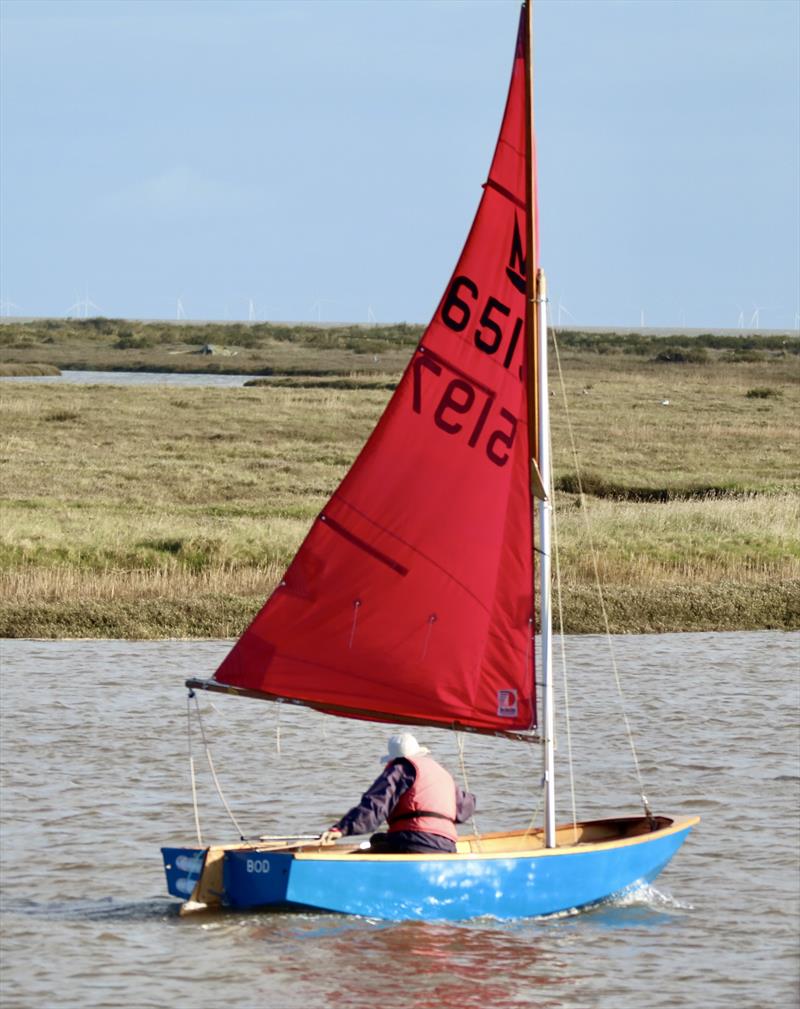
418,799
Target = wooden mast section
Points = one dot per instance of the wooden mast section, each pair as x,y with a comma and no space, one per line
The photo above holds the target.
531,265
539,434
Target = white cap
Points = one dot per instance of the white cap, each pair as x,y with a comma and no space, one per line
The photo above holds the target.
403,744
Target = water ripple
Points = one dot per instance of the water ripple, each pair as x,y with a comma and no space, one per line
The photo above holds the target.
95,780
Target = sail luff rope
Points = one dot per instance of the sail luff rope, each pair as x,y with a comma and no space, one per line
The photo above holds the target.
191,766
593,553
217,785
460,739
565,688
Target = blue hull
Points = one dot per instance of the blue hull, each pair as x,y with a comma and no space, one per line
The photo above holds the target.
448,887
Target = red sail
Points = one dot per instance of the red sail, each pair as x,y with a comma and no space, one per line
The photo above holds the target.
410,599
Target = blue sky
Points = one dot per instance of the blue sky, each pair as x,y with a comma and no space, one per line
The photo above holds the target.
324,159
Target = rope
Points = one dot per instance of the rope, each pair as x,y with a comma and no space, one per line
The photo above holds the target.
534,815
565,687
593,553
460,739
191,766
212,769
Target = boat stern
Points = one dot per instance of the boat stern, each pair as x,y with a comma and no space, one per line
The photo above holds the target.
256,878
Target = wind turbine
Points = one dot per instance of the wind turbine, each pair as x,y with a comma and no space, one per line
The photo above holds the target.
80,310
641,318
179,310
6,307
371,320
740,323
317,306
251,311
755,318
563,310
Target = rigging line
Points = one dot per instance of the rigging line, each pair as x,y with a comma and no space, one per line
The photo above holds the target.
460,739
535,814
191,766
593,553
565,687
224,801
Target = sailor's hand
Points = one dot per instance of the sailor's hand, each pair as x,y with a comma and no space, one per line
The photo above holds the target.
330,836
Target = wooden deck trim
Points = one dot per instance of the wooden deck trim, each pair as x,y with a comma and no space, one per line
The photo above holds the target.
350,853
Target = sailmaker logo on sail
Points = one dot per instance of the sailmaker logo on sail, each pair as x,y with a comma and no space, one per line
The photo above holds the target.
507,703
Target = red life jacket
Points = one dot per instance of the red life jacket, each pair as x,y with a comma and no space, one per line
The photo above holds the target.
430,804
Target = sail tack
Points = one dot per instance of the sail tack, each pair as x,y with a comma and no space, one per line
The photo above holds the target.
411,598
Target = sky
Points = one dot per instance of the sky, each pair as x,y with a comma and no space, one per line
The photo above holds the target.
299,160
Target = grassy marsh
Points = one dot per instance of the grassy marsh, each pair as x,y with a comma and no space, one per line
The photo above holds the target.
145,512
236,348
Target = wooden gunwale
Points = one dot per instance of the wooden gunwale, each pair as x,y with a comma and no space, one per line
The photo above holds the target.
597,833
536,849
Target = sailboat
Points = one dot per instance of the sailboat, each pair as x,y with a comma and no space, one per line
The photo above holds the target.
411,600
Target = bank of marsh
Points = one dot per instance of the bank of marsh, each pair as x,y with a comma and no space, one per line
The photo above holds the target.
168,512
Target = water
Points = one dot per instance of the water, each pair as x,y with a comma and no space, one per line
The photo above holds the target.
148,378
95,780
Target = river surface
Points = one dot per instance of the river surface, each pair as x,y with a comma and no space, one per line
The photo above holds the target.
95,779
185,379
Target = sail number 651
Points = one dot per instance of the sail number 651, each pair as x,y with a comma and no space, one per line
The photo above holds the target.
457,308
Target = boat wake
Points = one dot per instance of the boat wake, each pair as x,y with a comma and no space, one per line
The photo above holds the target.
639,898
646,895
104,908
